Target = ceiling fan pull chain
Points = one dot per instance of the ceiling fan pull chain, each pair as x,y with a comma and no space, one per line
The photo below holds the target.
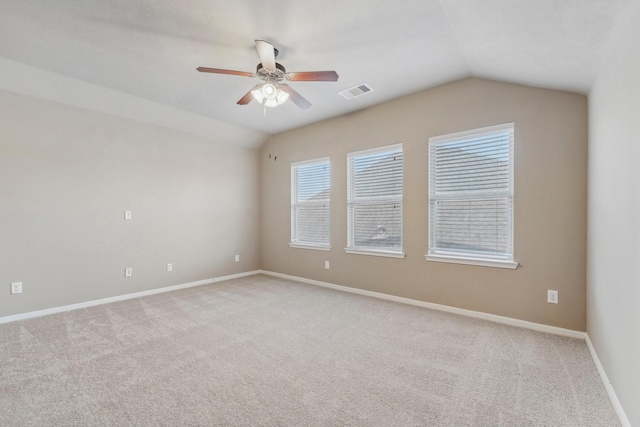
269,144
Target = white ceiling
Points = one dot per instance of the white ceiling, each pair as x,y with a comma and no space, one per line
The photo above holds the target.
137,58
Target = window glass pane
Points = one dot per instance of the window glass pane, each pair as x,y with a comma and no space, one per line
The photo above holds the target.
310,204
375,199
481,164
378,225
313,181
313,224
471,194
378,174
472,225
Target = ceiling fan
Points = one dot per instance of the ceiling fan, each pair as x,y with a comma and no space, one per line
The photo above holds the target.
272,91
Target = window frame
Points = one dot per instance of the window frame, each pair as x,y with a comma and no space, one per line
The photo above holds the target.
351,203
295,204
505,260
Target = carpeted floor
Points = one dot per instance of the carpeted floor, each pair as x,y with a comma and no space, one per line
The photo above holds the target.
266,351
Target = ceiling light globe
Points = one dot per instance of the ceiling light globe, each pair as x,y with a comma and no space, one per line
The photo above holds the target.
257,95
269,94
269,91
282,96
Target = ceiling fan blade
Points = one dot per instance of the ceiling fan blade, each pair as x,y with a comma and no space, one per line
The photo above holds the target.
267,55
313,76
294,96
248,97
221,71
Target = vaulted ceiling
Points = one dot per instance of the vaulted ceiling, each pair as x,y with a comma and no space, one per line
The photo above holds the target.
138,58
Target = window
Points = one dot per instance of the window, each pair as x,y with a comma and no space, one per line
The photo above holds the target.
310,203
374,193
471,197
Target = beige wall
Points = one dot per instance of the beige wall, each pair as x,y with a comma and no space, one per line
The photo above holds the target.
550,200
613,274
67,176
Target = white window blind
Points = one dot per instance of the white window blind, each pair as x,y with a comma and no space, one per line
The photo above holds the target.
375,183
310,203
471,194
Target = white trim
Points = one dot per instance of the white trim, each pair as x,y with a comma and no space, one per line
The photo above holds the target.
61,309
469,313
472,261
473,132
375,252
470,195
353,201
296,204
310,161
607,385
309,246
381,149
624,421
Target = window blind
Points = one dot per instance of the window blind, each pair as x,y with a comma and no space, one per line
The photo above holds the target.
471,194
375,185
310,202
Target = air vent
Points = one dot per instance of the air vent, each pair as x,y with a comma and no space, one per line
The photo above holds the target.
356,91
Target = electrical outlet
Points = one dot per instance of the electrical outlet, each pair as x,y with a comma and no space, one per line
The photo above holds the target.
127,214
237,258
128,272
552,297
16,288
169,267
326,265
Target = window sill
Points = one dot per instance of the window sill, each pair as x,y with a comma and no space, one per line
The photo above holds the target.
374,252
512,265
312,247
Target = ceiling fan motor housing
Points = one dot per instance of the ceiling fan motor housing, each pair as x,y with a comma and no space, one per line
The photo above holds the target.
264,74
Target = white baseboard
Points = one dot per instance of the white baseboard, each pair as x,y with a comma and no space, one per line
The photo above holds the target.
624,421
607,385
92,303
470,313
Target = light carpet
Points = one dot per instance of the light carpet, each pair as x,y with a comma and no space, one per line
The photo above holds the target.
267,351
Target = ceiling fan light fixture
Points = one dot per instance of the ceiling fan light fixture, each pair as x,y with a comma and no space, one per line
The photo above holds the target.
270,94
